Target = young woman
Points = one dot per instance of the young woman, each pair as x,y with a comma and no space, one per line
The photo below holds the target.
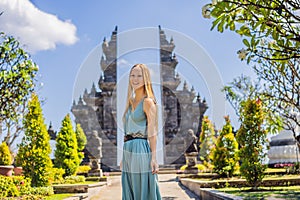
139,165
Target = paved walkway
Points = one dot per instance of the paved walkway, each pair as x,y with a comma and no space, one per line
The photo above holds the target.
169,187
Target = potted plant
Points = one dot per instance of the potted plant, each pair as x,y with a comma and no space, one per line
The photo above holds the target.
18,170
6,168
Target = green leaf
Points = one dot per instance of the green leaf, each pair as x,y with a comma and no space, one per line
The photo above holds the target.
220,26
232,26
252,41
246,42
248,59
215,22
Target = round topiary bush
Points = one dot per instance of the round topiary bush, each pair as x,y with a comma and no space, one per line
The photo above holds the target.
5,155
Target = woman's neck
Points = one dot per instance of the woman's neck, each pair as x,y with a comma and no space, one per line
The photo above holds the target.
139,94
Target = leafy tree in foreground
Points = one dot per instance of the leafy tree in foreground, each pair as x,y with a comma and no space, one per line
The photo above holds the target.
81,141
241,89
270,28
34,150
252,137
66,153
207,141
270,32
17,77
225,153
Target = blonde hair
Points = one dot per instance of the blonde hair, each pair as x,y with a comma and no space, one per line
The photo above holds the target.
147,87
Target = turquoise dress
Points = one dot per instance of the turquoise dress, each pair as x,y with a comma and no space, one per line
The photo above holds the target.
138,182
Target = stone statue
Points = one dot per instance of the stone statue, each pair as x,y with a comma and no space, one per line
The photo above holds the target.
192,151
193,145
95,152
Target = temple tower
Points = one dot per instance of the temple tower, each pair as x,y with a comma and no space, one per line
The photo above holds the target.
97,110
182,109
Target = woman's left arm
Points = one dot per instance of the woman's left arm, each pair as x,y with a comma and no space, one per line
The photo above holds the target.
150,111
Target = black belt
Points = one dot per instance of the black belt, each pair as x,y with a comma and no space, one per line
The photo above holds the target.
132,137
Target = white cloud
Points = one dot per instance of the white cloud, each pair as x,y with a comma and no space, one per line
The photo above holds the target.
34,28
122,62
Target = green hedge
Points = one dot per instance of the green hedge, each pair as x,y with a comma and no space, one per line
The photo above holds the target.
16,186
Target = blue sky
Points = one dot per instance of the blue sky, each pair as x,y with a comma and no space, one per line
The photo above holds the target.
62,34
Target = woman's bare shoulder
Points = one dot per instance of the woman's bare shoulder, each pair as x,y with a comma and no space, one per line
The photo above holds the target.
148,102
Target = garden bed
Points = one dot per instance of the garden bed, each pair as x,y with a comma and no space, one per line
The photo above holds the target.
291,192
238,183
206,189
75,188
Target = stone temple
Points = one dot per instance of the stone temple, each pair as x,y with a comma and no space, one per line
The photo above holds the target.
182,109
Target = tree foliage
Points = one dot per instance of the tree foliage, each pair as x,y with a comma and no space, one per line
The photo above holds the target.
81,140
34,151
243,88
207,140
252,138
270,28
13,127
66,153
270,31
225,153
17,77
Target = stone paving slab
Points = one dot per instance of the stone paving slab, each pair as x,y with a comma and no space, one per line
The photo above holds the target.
170,189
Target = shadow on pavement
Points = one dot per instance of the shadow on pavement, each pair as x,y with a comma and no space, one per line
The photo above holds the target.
169,180
188,192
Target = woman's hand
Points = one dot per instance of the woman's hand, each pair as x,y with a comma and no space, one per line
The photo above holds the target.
121,165
154,167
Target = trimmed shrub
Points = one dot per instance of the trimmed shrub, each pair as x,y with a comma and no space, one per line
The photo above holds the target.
207,141
42,191
23,184
19,186
74,179
8,188
83,169
81,141
34,150
57,174
14,186
66,153
225,153
199,166
252,137
5,155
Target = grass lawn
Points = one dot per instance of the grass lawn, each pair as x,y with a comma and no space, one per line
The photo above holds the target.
80,183
275,170
291,192
58,196
274,192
